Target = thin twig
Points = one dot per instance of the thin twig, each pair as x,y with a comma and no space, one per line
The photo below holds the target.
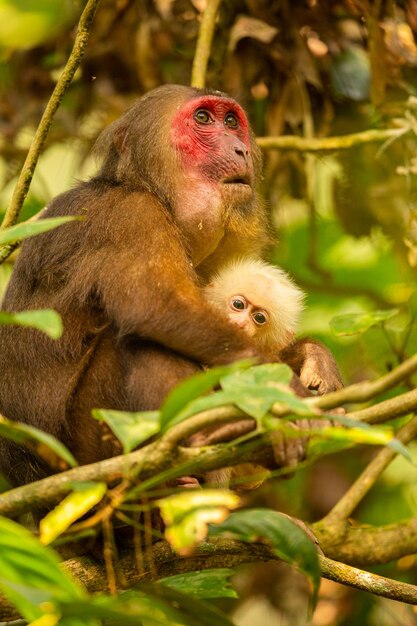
28,169
330,144
109,549
362,392
348,503
387,409
205,37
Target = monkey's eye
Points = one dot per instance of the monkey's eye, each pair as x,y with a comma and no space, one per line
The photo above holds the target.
231,120
202,116
238,303
260,318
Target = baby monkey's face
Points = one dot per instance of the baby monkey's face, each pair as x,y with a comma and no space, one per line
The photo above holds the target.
248,316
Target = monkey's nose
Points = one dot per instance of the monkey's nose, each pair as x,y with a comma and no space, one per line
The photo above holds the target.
242,153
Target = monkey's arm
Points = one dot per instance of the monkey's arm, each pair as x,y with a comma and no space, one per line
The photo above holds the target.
148,287
314,364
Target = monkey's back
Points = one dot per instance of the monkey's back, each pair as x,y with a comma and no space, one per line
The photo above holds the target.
40,375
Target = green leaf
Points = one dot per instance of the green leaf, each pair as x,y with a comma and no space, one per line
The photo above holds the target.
152,604
30,573
361,432
29,229
187,514
192,388
131,429
354,323
46,320
257,375
209,583
212,401
18,432
257,389
288,541
74,506
253,390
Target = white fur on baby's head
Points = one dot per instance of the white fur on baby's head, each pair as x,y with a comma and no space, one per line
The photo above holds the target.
265,286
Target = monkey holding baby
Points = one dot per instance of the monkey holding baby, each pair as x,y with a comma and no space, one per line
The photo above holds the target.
175,199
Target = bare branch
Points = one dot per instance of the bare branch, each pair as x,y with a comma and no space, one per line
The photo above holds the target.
365,581
217,553
28,169
388,409
205,37
348,503
362,392
329,144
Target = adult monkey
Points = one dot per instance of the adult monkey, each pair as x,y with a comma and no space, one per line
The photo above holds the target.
175,197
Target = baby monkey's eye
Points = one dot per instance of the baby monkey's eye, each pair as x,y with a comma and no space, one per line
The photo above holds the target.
260,318
238,303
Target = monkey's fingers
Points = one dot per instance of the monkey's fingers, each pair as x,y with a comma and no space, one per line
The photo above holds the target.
290,448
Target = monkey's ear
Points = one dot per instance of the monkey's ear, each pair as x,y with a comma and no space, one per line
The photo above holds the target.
120,139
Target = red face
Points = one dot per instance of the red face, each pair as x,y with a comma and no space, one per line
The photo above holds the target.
211,135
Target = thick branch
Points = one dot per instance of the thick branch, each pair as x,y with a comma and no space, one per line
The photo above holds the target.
366,545
214,554
25,177
153,464
329,144
205,37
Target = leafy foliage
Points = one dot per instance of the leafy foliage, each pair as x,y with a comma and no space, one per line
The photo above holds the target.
347,232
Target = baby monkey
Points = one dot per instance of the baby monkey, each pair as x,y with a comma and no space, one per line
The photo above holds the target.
259,298
263,301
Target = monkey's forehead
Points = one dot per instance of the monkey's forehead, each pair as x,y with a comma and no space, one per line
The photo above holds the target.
219,104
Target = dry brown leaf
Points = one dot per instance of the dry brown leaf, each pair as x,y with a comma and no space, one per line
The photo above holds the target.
250,27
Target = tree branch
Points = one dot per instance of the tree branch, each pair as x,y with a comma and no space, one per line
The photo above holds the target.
205,37
365,581
217,553
330,144
348,503
155,463
362,392
366,545
28,169
387,409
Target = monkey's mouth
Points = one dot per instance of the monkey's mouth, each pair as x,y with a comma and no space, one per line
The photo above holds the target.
238,180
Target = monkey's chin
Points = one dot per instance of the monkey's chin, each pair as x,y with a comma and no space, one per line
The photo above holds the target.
236,193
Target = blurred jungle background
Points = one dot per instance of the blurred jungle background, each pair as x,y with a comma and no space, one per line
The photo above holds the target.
345,218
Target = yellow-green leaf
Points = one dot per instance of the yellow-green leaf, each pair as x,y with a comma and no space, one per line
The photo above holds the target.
69,510
187,514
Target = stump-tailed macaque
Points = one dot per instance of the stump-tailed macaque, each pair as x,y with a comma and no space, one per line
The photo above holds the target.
175,198
259,298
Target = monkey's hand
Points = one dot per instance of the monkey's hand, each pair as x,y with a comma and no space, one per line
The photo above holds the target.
285,449
314,364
